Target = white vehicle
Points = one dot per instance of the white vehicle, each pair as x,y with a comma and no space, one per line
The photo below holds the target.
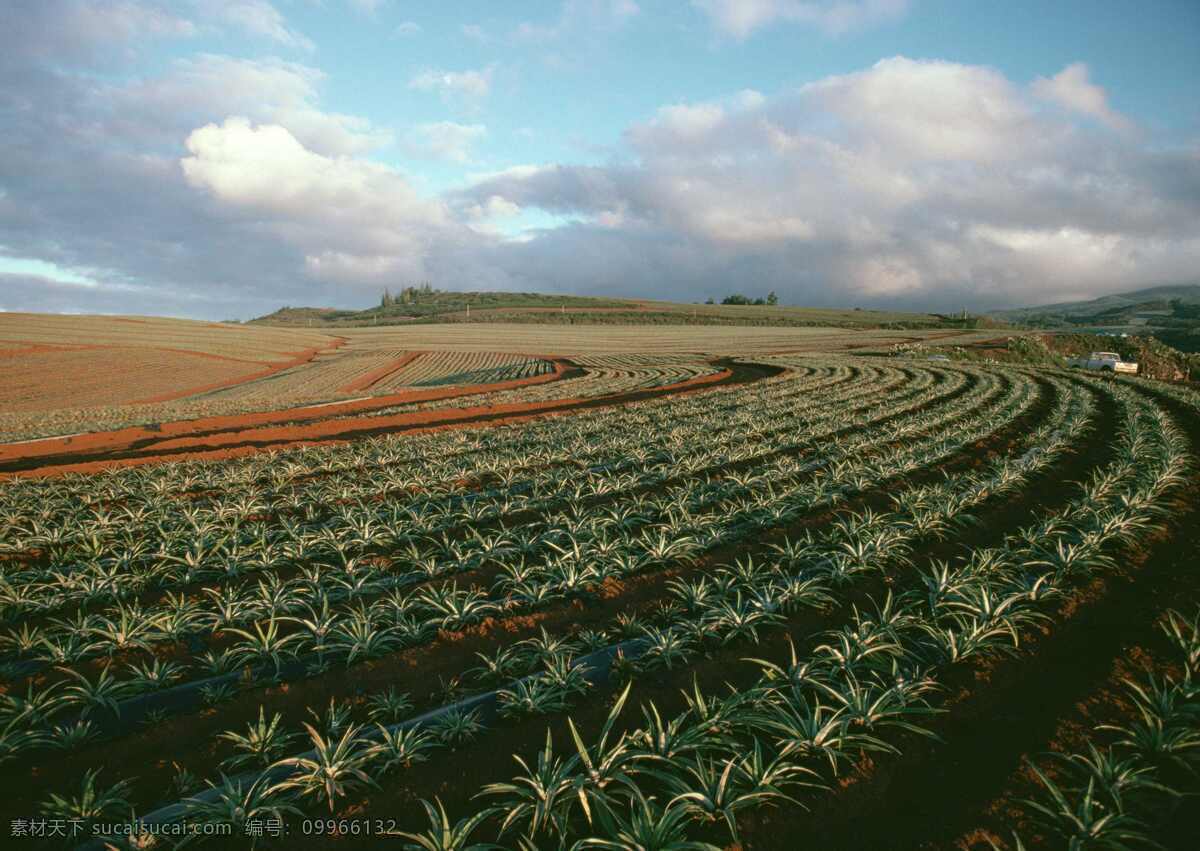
1105,362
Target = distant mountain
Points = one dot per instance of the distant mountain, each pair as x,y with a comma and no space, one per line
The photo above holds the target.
1118,306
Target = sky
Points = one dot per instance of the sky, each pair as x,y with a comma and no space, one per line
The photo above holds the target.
222,158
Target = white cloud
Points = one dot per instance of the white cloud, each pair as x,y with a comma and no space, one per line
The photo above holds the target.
740,18
445,140
466,85
916,184
911,183
676,125
689,121
353,220
928,110
266,167
258,18
406,29
1072,88
490,215
207,87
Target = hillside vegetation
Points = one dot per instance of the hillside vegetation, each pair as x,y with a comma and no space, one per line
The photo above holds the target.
1155,358
1170,313
424,304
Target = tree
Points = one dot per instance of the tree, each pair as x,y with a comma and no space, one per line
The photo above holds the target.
387,300
736,298
772,299
710,300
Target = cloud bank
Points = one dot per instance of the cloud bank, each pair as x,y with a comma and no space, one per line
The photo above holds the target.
223,186
909,183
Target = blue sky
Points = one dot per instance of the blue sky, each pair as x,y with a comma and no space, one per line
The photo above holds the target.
221,157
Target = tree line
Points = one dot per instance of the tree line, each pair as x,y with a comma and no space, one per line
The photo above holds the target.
408,295
738,298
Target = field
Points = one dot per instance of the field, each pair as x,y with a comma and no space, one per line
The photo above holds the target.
610,587
71,375
31,379
436,306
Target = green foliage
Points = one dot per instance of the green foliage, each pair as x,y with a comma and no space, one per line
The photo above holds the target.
417,305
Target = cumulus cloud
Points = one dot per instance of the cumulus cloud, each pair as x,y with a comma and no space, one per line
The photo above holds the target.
910,183
221,186
1073,89
740,18
207,86
674,126
926,111
90,177
354,220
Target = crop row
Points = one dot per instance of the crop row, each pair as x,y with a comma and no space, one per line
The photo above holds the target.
849,696
1132,774
130,629
445,368
77,535
597,380
426,523
798,503
860,689
272,471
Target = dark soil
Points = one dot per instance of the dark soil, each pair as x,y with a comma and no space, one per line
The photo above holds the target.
953,795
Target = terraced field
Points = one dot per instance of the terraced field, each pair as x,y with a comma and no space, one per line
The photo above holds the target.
350,372
593,376
777,600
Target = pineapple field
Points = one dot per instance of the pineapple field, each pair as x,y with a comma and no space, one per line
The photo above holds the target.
619,600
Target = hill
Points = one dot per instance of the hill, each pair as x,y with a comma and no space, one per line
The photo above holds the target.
1170,313
420,305
1117,305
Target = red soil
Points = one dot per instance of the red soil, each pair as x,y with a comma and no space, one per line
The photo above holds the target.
270,369
17,395
229,436
42,348
49,379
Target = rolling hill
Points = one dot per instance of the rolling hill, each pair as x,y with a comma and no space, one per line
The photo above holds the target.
1116,306
418,305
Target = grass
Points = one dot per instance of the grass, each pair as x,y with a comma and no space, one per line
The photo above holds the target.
533,308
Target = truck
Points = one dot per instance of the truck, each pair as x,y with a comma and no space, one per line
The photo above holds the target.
1104,362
